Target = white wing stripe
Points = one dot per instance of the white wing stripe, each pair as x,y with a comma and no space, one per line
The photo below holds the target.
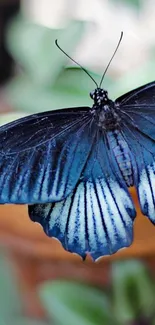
76,224
92,215
146,190
106,210
123,202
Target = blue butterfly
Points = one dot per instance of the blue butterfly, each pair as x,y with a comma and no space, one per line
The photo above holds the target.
73,168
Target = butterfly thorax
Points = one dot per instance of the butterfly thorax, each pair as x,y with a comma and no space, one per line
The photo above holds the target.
105,111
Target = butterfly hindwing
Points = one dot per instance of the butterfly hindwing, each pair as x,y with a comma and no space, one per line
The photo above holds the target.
143,150
42,155
97,217
138,116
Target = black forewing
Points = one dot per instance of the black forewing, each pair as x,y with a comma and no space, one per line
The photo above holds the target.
97,217
138,116
139,96
42,155
138,106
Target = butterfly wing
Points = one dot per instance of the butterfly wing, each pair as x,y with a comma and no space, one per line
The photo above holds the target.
42,155
138,106
138,116
143,95
97,217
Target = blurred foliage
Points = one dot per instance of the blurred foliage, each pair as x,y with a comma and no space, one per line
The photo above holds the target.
44,82
130,299
133,292
134,3
64,93
11,311
33,46
74,303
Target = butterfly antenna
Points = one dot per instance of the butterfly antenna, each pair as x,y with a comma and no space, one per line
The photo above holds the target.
111,59
56,42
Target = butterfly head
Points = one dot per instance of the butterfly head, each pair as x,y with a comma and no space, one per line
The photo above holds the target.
100,96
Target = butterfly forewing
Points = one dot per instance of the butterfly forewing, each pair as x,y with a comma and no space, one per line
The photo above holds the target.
42,156
144,95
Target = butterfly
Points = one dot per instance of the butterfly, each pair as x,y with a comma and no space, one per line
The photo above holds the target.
73,168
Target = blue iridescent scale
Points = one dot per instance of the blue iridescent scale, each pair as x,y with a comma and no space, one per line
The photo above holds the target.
122,155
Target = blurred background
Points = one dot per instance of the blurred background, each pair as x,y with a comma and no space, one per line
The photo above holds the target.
40,283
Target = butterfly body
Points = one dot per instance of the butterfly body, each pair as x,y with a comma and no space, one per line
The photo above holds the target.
105,110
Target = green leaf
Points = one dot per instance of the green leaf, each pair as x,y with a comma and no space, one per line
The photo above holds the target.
34,47
70,303
153,321
133,292
74,79
24,96
10,302
72,88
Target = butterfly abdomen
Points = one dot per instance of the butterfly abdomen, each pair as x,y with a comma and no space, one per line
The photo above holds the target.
122,155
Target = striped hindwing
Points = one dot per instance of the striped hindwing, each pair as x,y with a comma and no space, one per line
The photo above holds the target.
143,150
138,116
42,155
97,217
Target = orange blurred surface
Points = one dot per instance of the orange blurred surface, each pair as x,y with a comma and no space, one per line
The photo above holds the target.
21,234
39,258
